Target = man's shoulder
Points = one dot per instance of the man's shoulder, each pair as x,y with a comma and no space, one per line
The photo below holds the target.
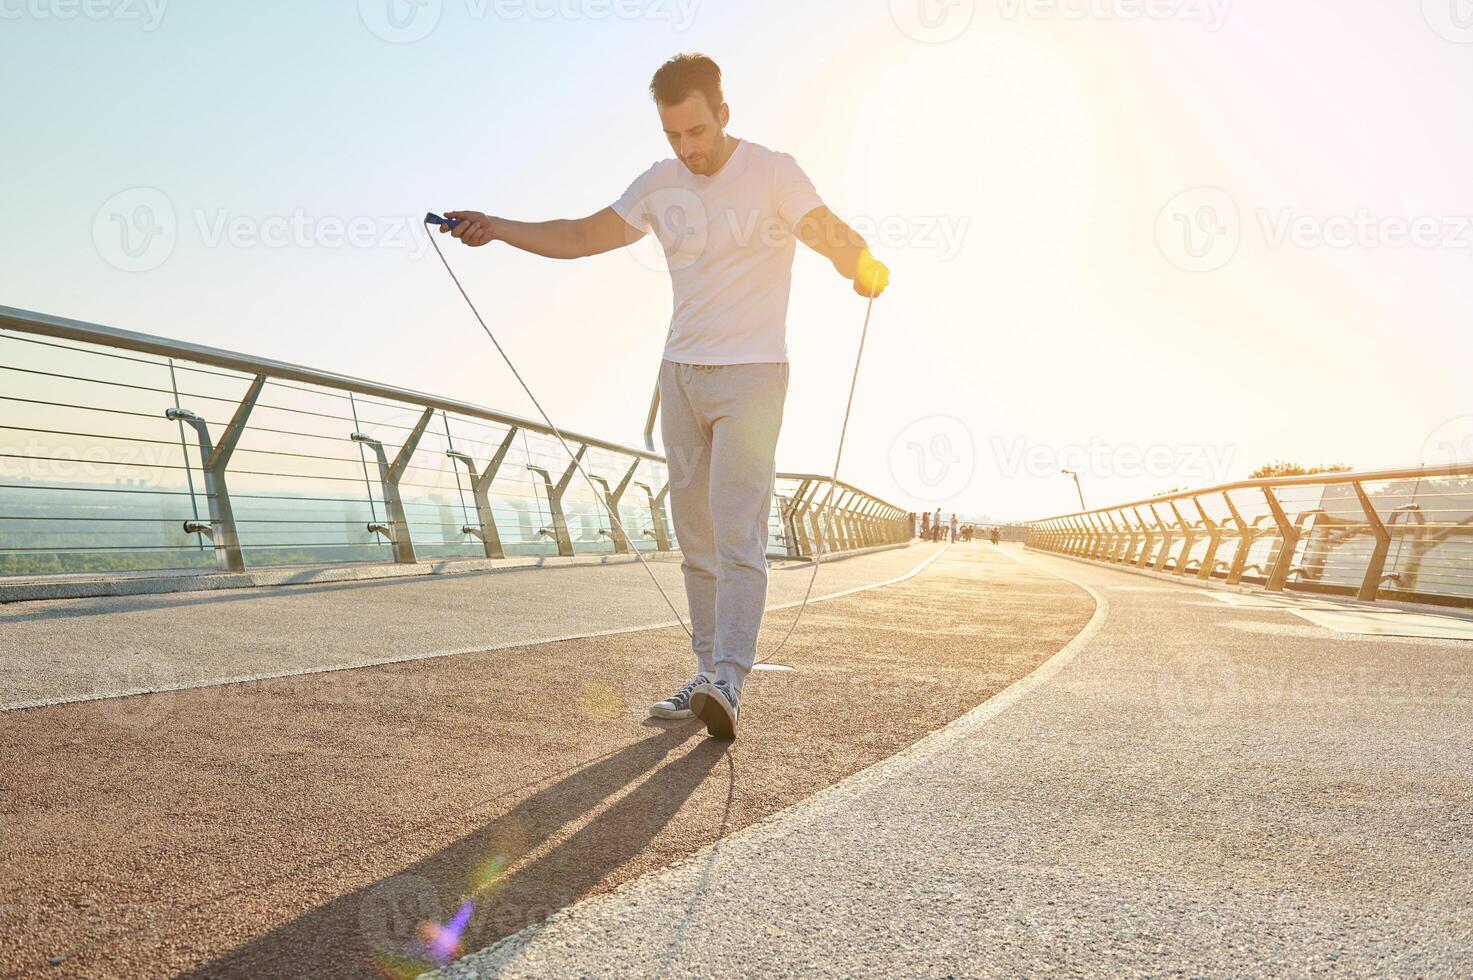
764,155
664,171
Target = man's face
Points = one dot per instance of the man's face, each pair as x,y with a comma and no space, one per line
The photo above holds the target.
696,134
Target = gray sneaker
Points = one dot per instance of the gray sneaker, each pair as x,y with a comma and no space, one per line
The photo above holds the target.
717,705
677,705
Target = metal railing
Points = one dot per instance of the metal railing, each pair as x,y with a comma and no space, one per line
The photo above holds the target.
125,451
1402,534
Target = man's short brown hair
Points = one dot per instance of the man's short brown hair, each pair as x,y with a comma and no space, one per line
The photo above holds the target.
684,74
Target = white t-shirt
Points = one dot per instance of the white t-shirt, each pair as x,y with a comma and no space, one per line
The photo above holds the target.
728,242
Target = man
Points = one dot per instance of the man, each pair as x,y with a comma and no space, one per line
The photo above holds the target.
727,213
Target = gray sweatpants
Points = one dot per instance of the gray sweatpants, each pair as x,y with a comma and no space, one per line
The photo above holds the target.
720,426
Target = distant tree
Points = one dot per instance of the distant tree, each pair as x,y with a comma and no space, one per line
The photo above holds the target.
1295,469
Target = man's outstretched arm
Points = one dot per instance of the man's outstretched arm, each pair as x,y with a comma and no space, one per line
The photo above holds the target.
828,235
565,238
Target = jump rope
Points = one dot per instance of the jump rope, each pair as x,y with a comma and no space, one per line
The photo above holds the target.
435,219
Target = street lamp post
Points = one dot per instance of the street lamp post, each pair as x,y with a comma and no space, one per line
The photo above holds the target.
1077,488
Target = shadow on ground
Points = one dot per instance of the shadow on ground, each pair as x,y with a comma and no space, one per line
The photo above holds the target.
486,875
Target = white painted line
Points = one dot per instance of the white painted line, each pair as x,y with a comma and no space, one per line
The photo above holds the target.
432,655
1389,622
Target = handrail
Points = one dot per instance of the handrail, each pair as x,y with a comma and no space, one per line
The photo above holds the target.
46,325
867,519
1445,575
840,484
1312,480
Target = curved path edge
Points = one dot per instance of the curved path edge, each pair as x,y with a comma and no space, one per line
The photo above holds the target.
498,957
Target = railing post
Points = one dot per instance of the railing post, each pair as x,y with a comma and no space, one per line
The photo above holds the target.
895,524
1100,537
215,460
1087,542
862,520
657,515
1246,535
802,517
1288,543
1190,539
1371,585
873,533
1146,549
559,528
1119,538
833,535
786,506
397,528
841,519
1165,550
617,532
481,491
1214,541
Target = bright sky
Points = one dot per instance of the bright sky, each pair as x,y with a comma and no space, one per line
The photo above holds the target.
1157,241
